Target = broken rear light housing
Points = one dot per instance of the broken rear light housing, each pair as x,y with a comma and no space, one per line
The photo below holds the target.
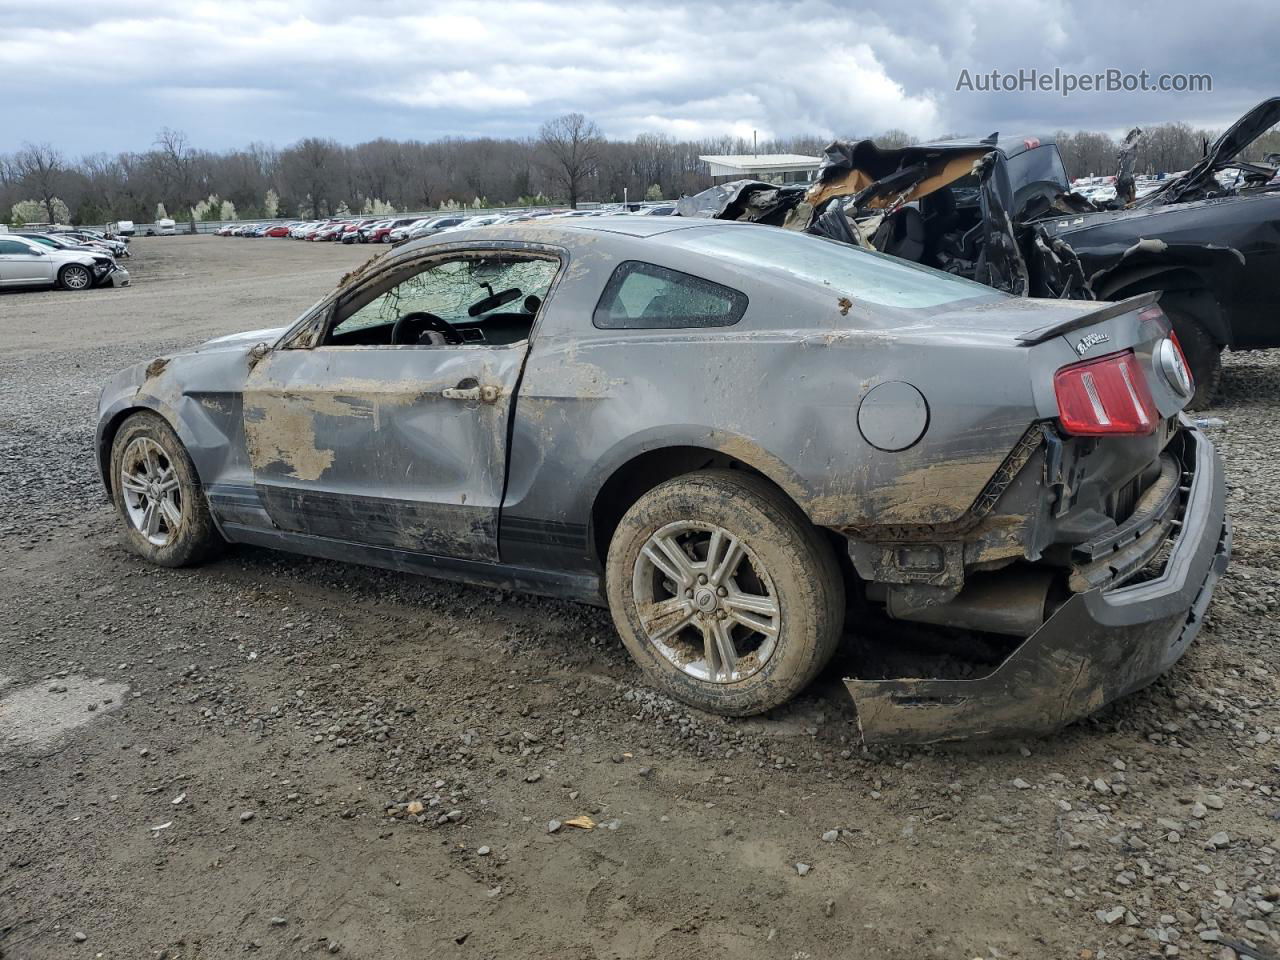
1105,397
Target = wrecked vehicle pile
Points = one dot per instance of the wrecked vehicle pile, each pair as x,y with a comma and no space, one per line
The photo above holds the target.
1001,211
746,442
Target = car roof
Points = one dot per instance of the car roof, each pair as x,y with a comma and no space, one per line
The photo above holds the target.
1010,146
567,230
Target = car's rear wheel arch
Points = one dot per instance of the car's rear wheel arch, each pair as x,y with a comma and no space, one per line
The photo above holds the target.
641,473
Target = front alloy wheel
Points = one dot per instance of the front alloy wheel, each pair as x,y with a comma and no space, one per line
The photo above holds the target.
158,494
151,492
75,277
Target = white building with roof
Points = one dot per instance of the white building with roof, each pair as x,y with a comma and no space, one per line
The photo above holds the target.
770,167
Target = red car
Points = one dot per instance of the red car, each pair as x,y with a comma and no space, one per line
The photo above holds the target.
328,231
382,232
279,230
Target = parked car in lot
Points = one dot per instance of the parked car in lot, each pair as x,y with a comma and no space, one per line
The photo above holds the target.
27,262
116,246
728,434
425,228
330,231
401,233
277,230
471,223
68,240
382,232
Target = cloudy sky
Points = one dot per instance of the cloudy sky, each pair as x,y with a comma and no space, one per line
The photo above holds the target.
106,75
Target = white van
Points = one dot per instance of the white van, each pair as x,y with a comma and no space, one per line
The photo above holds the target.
122,228
166,228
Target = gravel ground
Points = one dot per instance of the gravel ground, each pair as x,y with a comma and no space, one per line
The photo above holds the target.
287,756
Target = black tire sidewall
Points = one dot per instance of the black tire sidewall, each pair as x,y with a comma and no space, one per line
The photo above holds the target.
62,277
196,536
804,573
1204,356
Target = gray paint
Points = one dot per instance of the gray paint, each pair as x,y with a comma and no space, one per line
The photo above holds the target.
356,452
893,416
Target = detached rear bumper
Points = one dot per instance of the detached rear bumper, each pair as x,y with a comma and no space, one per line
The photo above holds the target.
1100,645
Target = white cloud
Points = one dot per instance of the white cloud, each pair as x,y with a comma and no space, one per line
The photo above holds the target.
405,67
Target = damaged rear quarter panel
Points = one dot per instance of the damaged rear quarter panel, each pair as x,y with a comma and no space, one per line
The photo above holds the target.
778,391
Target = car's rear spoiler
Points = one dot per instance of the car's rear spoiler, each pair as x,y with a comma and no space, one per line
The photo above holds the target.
1041,334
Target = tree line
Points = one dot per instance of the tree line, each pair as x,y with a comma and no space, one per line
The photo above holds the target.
568,162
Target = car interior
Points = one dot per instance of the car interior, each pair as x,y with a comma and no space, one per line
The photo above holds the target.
489,299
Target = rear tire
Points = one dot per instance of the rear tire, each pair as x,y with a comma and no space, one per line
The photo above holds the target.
1204,356
748,611
158,495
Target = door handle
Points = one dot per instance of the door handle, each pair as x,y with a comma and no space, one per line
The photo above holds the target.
485,394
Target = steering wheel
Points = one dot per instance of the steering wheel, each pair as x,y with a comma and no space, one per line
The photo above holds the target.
410,328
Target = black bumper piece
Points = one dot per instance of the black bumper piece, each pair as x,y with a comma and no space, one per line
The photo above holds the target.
1100,645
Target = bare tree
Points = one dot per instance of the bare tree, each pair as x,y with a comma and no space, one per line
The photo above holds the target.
572,143
40,167
313,169
176,163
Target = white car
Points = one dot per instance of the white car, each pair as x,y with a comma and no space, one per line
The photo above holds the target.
400,233
24,262
481,220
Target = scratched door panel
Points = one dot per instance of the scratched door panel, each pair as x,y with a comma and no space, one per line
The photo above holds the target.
361,444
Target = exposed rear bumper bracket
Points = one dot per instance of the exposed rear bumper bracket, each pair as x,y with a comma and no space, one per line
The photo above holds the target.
1102,644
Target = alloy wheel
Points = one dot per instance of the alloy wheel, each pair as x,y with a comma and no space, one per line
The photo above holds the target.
706,602
152,492
76,277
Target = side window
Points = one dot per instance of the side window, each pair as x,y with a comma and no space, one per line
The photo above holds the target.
14,247
476,298
644,296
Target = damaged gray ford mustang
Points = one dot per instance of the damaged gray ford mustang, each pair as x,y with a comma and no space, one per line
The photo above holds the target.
746,442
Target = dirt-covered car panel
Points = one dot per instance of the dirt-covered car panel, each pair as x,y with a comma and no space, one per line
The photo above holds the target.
908,412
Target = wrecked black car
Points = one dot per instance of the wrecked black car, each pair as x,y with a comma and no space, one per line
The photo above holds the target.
748,443
1001,211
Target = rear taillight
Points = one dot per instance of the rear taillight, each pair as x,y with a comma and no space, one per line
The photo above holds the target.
1174,366
1104,397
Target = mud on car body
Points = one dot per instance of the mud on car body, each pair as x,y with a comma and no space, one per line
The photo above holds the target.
746,442
1001,210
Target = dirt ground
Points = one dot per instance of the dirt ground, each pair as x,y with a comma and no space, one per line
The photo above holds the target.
285,756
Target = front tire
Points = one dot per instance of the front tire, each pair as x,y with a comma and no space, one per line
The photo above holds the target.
75,277
724,593
158,495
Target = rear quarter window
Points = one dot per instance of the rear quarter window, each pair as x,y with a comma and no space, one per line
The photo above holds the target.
644,296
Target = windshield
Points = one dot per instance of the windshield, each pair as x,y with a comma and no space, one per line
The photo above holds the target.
858,273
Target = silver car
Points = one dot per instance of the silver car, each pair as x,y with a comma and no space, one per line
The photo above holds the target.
24,262
743,441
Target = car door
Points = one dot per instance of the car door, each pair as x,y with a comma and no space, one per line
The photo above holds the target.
22,262
399,441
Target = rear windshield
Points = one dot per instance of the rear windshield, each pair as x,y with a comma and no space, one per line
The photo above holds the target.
855,272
